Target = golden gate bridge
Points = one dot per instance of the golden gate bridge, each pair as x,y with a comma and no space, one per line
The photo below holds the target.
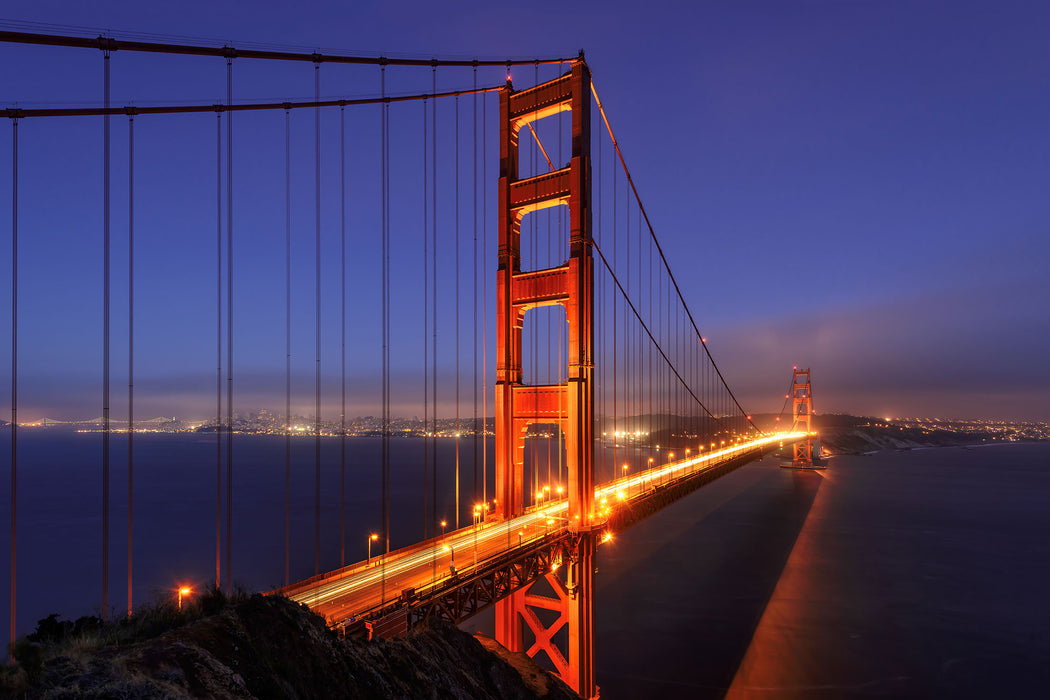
608,403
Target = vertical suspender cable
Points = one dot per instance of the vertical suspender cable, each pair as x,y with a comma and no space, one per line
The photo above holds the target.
218,349
562,326
14,373
474,327
433,298
229,328
317,321
389,303
342,336
649,370
457,311
627,327
105,344
484,303
131,346
384,177
600,315
615,335
534,166
426,327
287,346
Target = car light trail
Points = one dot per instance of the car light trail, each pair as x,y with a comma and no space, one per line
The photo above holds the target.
359,590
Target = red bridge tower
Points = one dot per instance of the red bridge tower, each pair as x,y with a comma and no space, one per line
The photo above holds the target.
802,411
568,405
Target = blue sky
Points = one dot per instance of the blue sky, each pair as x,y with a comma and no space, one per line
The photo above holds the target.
859,187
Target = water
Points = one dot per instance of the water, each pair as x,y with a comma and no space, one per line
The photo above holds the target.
918,574
59,507
60,492
905,574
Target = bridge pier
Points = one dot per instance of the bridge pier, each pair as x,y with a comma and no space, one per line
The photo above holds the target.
572,598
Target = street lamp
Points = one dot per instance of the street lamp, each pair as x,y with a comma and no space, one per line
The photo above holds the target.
184,591
371,538
443,524
626,472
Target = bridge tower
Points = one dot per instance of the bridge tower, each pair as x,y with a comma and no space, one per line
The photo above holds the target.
802,410
570,404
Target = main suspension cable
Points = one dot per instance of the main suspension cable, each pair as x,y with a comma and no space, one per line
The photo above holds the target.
21,113
111,44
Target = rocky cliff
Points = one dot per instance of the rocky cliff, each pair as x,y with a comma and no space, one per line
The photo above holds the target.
270,647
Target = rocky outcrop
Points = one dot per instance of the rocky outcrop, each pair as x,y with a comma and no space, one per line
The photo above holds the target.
270,647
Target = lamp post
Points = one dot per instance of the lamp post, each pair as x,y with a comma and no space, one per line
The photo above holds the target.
626,473
371,538
443,524
184,591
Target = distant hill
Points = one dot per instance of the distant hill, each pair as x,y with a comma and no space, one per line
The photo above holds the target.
845,434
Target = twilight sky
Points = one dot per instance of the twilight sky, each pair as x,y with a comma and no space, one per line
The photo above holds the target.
858,187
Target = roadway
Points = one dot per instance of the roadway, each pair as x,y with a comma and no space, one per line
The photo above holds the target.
381,579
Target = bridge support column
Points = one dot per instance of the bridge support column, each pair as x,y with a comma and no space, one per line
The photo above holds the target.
532,620
570,600
802,410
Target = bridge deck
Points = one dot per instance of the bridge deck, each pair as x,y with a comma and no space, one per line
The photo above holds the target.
365,588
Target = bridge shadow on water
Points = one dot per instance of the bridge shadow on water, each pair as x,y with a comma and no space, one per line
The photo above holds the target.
679,596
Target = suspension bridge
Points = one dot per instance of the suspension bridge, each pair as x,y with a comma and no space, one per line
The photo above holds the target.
513,271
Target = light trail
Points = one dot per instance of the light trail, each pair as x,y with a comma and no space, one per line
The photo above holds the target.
366,585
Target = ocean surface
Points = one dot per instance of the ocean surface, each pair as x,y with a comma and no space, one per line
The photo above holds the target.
921,573
915,574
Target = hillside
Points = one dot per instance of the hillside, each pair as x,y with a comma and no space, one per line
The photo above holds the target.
270,647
